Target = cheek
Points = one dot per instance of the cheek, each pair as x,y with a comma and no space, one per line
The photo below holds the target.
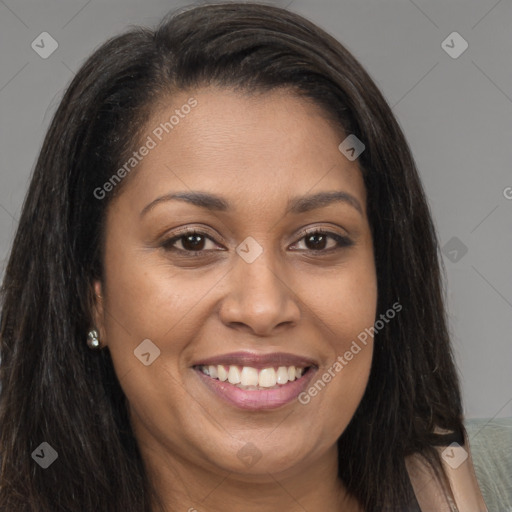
337,388
148,298
344,301
345,306
336,392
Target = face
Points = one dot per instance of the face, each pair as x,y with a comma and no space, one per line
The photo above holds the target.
251,296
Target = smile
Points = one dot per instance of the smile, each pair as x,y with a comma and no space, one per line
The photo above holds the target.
249,388
249,378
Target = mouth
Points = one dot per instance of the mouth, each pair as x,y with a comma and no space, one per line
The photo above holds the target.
253,382
252,379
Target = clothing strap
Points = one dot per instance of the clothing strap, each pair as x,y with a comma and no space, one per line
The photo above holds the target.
459,491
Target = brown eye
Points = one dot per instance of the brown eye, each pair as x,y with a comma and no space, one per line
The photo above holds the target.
190,241
193,243
317,241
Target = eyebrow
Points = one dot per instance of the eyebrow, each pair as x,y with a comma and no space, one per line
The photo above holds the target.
296,205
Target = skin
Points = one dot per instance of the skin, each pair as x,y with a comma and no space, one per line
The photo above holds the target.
256,151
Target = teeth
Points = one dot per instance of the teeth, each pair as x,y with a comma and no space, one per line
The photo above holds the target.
249,376
234,375
212,371
282,375
252,378
222,374
267,378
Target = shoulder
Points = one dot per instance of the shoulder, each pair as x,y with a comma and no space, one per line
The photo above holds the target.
457,488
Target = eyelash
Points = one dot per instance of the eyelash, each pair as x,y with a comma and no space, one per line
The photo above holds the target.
342,242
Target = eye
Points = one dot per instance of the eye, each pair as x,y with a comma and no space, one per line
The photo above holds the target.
193,242
317,240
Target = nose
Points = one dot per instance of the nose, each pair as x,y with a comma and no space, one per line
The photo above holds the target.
259,299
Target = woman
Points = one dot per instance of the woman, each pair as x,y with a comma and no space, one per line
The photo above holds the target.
224,292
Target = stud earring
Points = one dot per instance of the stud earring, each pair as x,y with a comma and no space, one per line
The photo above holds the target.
92,340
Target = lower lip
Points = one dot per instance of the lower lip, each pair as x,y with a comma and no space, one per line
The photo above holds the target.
258,399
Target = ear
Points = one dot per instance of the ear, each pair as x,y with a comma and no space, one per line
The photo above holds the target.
98,312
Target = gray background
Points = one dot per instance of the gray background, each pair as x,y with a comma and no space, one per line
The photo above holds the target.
455,112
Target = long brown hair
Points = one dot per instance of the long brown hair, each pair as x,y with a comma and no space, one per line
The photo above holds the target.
55,390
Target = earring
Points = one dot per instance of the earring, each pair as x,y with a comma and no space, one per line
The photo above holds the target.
92,340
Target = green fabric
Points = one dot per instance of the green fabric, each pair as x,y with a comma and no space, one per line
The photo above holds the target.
490,442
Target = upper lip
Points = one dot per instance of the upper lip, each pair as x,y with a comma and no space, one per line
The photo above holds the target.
274,359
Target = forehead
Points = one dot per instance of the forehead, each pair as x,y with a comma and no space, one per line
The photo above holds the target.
254,149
